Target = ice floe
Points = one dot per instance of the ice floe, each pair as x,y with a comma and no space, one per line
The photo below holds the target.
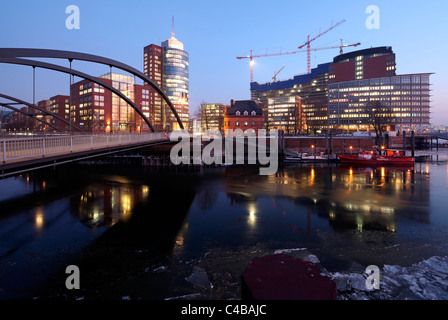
426,280
301,253
200,278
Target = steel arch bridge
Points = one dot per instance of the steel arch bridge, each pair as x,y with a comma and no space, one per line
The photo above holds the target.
14,55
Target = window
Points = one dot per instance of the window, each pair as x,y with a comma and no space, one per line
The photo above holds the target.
253,123
245,123
238,113
238,123
246,113
406,79
253,113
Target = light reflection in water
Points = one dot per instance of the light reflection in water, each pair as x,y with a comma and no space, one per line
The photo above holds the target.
39,219
312,176
252,212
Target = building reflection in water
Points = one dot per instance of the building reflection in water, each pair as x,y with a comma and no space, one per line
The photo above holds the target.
348,197
105,205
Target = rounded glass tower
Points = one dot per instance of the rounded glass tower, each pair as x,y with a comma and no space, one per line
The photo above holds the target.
176,80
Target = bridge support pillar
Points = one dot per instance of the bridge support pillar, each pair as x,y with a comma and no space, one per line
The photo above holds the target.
4,151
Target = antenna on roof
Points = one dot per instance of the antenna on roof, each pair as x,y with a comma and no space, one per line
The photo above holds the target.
172,27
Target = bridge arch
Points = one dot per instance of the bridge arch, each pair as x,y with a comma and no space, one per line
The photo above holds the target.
30,115
56,67
72,55
40,109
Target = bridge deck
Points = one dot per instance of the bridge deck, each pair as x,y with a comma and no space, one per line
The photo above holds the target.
31,152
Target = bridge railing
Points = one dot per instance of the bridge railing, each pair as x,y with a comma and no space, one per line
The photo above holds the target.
27,148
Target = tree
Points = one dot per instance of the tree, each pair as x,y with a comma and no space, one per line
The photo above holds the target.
197,115
379,116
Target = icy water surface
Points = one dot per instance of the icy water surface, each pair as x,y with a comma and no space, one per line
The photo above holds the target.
177,234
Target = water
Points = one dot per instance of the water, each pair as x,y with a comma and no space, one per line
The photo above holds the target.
142,234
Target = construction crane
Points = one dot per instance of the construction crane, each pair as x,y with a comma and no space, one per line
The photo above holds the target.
308,43
276,73
251,57
341,51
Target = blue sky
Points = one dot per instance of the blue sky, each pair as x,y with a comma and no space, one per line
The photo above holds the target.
216,32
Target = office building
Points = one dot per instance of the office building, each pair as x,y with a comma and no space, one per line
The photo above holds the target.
341,96
286,114
405,101
153,69
309,93
60,106
361,80
212,116
96,109
168,66
363,64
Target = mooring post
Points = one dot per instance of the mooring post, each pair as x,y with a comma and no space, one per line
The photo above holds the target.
404,141
331,142
283,141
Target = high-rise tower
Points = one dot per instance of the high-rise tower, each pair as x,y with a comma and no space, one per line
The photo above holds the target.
168,66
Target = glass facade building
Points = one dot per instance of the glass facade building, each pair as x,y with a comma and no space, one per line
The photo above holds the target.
342,95
122,114
285,113
176,80
212,116
406,96
168,66
310,95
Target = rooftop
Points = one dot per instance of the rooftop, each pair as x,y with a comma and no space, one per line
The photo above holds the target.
364,52
298,79
244,105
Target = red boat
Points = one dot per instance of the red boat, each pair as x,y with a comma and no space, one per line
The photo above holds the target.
392,158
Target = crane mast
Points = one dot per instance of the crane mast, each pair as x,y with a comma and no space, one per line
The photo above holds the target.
308,43
276,73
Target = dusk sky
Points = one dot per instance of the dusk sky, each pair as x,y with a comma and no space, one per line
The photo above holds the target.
214,33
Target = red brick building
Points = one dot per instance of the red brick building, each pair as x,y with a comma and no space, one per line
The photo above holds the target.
363,64
95,109
153,69
59,105
244,114
90,106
